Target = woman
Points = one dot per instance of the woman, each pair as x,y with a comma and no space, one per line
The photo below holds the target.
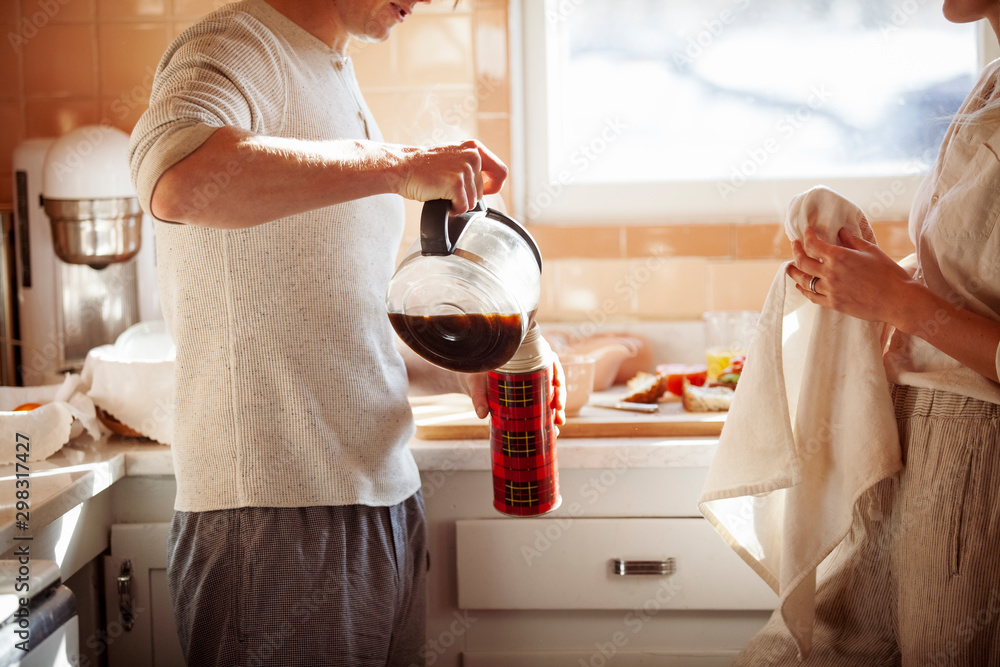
917,580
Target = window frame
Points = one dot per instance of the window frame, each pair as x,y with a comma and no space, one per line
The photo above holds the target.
560,200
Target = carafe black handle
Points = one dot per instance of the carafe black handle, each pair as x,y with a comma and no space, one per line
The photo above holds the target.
439,230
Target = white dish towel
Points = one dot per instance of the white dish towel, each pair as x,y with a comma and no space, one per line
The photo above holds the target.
810,429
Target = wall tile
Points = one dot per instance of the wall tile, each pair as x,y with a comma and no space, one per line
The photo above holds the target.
59,60
56,117
678,240
411,231
375,63
759,241
124,109
197,8
559,242
178,28
120,113
670,289
41,13
494,133
385,107
548,298
436,50
740,285
10,67
586,289
893,238
117,9
6,190
129,54
492,72
446,7
11,133
432,117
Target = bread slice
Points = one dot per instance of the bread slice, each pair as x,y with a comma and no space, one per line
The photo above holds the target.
645,388
706,399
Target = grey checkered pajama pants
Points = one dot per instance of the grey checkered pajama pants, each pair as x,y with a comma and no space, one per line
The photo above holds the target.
916,582
304,586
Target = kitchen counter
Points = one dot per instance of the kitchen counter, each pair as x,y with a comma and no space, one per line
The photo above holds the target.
91,495
84,468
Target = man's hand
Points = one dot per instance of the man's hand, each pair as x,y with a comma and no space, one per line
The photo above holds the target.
558,392
476,385
462,173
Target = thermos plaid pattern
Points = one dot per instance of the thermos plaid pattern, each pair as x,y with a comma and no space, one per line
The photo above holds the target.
523,443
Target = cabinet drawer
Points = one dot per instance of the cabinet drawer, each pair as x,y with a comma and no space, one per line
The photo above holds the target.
567,564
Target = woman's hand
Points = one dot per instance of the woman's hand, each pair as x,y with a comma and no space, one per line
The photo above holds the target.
558,392
856,279
860,280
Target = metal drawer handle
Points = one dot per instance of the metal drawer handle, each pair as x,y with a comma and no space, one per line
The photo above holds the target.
125,602
657,567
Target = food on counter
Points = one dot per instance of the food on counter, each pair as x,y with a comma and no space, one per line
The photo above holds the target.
116,426
25,407
696,374
715,398
645,387
730,375
618,356
685,380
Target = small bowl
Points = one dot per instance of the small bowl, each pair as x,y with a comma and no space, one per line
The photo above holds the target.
578,372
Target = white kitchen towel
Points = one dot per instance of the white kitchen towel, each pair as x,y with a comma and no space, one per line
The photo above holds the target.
65,413
138,392
811,428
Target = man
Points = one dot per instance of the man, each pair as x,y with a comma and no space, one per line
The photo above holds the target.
299,535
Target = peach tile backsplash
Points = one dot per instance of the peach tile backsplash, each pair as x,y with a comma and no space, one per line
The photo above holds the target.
444,76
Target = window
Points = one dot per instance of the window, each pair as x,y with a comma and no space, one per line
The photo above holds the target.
722,110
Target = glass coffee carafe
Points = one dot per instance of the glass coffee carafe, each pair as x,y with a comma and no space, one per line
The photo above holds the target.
467,290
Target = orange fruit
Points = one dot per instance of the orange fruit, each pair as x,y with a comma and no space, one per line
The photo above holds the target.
24,407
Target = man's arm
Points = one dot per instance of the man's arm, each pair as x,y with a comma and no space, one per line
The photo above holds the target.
267,178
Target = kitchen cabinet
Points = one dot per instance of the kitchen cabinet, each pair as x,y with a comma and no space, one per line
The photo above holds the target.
541,592
490,602
141,630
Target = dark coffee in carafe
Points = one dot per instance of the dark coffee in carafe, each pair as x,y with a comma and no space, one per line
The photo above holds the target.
470,342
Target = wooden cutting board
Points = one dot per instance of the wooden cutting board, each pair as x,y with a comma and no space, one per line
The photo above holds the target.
451,417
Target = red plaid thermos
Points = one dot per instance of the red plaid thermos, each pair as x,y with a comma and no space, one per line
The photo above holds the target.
522,435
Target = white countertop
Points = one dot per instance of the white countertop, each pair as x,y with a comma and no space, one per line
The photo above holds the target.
84,467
